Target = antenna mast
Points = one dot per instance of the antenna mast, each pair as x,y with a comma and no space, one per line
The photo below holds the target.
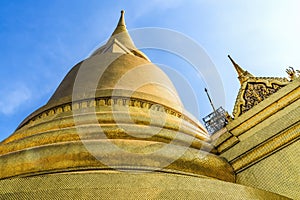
211,103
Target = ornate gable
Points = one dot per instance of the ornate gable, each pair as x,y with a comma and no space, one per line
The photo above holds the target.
254,89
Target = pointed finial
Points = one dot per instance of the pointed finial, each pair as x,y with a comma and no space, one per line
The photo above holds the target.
122,19
238,69
242,74
121,24
120,41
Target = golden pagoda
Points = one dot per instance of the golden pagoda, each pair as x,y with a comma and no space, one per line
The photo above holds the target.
115,129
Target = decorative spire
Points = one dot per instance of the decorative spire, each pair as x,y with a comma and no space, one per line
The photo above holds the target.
242,74
238,69
120,41
121,34
121,27
122,20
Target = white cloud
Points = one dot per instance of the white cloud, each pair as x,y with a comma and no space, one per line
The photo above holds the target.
12,98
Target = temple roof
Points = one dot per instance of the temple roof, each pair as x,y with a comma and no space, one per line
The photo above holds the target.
253,89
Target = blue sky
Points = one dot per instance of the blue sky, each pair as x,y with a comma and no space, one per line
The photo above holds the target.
42,40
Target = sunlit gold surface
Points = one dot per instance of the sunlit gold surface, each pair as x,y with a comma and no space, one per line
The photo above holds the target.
118,185
262,144
52,140
59,150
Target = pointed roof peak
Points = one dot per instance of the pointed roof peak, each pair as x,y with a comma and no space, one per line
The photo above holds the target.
121,27
238,69
242,74
120,41
122,20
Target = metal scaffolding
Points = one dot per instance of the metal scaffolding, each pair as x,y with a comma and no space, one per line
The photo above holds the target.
215,120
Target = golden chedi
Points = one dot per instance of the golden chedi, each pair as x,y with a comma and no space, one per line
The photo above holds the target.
115,129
